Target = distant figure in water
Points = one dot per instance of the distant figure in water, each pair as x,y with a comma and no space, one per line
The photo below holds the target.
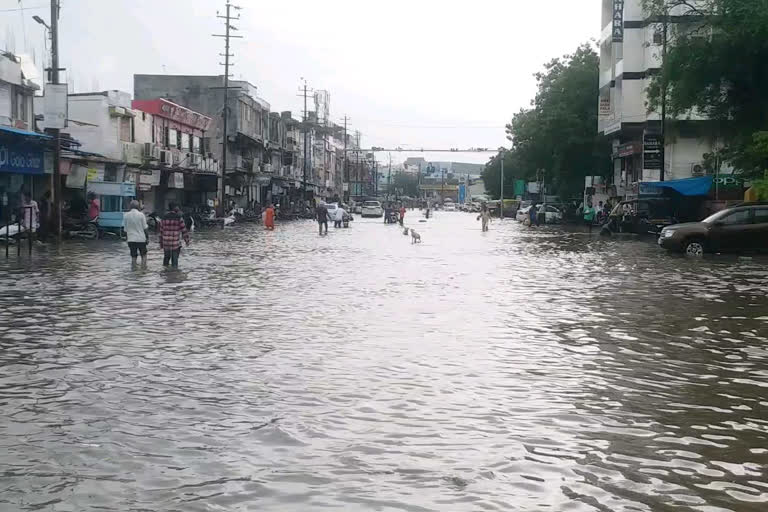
269,217
485,216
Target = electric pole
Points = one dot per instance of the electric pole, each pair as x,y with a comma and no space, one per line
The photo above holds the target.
55,132
345,172
501,194
305,91
225,114
663,95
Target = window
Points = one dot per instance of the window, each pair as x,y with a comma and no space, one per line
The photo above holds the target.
173,139
195,144
736,218
761,215
178,139
185,141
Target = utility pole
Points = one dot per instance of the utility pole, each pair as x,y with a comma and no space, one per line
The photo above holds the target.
55,132
225,113
345,172
359,172
305,91
389,176
663,95
501,194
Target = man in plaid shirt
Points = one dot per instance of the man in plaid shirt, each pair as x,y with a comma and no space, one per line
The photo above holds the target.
172,230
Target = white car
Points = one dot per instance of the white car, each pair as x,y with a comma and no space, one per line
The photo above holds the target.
552,214
371,209
331,209
450,207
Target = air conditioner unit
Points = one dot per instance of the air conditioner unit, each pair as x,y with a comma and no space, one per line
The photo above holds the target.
166,157
156,151
149,151
177,157
195,159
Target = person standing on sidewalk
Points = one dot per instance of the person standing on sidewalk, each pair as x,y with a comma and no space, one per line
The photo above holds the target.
136,231
402,215
172,230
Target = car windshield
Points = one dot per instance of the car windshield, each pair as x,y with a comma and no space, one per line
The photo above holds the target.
371,204
716,216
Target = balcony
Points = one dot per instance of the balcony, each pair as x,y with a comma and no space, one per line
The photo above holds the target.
606,77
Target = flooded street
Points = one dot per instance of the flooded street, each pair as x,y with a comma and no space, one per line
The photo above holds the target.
519,369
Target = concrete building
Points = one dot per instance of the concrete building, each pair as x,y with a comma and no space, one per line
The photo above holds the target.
630,54
22,150
252,156
157,145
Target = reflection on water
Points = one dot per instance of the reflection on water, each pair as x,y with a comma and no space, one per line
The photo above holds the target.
519,369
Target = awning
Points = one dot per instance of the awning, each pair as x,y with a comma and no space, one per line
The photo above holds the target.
26,133
686,187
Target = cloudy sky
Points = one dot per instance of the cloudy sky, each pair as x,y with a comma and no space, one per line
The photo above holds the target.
417,73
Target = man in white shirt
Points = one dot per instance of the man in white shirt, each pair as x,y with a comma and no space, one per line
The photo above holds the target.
136,229
338,217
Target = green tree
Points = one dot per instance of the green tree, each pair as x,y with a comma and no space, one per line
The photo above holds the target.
406,184
717,64
558,134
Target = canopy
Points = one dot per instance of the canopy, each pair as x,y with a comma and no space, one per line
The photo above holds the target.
27,133
686,187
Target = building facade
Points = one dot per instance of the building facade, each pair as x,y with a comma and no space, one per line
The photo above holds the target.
630,55
23,153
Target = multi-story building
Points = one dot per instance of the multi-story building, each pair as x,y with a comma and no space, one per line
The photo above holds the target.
630,55
157,145
22,151
250,154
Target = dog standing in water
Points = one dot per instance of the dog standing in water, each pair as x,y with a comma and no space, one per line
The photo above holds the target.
415,237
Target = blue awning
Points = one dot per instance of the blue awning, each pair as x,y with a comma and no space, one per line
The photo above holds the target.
686,187
26,133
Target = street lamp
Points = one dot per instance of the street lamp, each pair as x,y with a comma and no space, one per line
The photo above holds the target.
41,21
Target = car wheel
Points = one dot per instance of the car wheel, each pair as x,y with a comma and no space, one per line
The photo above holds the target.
694,247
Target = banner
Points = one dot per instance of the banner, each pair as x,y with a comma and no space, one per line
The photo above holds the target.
176,180
618,21
605,107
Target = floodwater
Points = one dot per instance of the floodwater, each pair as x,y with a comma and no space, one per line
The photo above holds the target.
520,369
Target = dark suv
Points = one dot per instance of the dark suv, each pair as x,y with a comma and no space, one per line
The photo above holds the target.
742,228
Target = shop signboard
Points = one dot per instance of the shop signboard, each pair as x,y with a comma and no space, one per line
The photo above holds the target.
617,34
21,159
628,149
652,151
55,106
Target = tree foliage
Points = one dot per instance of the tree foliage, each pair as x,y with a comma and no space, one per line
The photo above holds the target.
717,64
406,184
558,133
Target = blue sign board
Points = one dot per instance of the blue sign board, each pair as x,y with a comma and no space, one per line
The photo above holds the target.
462,193
21,159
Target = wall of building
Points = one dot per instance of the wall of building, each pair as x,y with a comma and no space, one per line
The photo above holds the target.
99,132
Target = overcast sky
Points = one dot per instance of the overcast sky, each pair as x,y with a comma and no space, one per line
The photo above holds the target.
416,73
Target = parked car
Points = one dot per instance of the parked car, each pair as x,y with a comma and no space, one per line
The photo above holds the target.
552,214
743,228
332,209
646,216
522,214
371,209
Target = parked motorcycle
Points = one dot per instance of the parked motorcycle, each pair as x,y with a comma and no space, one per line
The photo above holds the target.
82,229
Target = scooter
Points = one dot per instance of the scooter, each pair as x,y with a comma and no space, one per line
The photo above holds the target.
346,220
81,229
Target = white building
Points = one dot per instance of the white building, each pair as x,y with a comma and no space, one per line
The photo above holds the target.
630,54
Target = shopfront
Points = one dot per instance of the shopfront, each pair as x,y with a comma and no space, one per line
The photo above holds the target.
22,167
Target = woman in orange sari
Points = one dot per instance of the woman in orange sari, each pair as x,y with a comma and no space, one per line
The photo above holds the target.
269,217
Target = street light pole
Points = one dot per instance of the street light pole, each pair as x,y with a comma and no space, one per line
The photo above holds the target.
55,132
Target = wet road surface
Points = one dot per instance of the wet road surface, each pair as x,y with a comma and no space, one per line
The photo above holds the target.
520,369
